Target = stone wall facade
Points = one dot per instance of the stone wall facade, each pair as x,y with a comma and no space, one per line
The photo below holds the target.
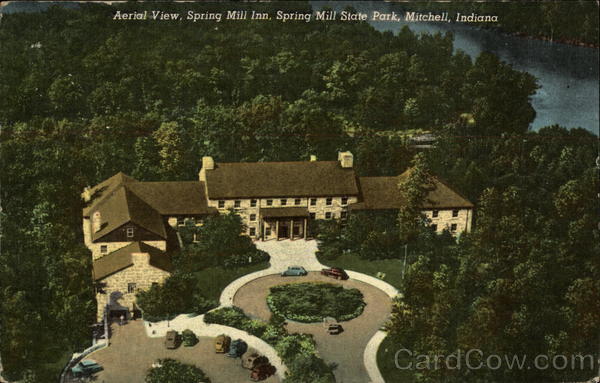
119,289
454,220
250,209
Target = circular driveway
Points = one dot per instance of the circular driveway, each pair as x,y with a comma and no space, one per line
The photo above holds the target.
346,349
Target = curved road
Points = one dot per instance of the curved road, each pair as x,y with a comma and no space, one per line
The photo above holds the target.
346,349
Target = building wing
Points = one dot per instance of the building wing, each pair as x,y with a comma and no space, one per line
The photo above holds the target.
381,193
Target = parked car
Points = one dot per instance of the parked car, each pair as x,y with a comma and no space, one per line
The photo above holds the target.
294,271
172,339
238,348
222,343
335,329
335,272
251,360
86,368
189,338
262,372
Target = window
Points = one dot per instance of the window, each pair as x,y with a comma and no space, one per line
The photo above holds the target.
435,213
131,287
297,201
313,201
313,215
343,215
221,204
328,201
103,249
252,203
252,231
283,202
154,284
237,203
434,227
453,227
328,215
252,217
344,200
455,213
180,221
267,231
130,232
269,202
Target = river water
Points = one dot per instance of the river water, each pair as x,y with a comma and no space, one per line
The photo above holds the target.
568,75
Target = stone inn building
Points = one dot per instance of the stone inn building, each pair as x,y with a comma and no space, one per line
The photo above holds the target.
130,226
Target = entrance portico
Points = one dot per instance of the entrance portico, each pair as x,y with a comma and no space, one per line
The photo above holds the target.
284,223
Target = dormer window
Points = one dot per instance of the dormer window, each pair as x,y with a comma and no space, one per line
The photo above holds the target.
130,232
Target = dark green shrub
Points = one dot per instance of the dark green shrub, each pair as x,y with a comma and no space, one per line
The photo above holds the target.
173,371
311,302
176,296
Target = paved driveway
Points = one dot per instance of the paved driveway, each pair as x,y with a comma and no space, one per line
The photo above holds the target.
131,353
346,349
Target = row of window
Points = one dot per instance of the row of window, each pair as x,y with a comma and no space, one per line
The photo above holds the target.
283,202
452,227
437,212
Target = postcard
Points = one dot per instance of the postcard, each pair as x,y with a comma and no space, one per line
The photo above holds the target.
299,192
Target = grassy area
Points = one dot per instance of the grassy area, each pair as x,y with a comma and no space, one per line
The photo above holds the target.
213,280
391,267
53,369
386,361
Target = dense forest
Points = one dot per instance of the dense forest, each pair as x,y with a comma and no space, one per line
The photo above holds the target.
83,96
572,22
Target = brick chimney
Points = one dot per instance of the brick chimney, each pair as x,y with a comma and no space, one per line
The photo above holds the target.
346,159
87,194
207,164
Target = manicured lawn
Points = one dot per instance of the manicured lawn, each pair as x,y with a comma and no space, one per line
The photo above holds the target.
391,267
213,280
387,364
54,368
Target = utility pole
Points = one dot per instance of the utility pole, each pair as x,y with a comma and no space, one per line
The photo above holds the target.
404,266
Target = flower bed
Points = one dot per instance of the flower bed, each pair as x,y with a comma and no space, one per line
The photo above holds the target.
311,302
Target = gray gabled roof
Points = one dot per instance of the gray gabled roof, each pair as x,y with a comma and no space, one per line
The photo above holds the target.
381,193
121,259
280,179
122,199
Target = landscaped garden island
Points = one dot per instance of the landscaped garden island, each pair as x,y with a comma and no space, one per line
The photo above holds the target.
311,302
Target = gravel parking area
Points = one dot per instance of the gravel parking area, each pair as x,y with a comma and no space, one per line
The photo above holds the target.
346,349
131,353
